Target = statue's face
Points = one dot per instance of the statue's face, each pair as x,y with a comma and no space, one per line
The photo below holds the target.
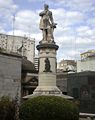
46,7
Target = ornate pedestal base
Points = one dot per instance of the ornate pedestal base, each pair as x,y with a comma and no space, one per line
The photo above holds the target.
47,90
47,70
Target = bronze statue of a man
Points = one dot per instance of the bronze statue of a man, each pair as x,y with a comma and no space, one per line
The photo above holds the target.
47,24
47,65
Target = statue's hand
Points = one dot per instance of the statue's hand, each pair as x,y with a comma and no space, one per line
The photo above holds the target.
54,25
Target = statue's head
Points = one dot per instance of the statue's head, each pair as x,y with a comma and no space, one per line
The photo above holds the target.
46,6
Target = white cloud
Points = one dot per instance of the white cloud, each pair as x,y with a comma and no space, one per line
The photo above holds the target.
80,5
7,9
86,32
7,5
82,28
66,18
91,21
27,21
73,17
2,30
68,54
84,41
73,53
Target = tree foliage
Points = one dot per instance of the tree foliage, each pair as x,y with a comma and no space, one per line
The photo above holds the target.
7,109
48,108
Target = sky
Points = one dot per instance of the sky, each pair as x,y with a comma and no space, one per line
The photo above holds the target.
75,32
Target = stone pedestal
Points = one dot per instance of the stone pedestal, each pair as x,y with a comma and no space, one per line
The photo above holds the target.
47,79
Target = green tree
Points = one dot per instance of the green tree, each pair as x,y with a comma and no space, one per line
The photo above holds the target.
48,108
7,109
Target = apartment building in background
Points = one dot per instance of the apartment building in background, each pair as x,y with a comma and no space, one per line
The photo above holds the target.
66,66
87,62
36,62
18,44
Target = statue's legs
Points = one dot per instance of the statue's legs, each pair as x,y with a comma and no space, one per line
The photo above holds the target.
50,34
45,34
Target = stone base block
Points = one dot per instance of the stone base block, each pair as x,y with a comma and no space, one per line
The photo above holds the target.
47,90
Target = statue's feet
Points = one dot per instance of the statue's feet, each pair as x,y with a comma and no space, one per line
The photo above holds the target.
52,41
40,42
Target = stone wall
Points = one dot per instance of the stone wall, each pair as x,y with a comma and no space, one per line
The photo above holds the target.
10,75
81,86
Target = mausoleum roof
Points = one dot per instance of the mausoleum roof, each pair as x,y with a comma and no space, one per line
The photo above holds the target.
27,66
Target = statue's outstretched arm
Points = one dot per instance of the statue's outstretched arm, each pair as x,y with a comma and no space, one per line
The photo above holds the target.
42,13
52,21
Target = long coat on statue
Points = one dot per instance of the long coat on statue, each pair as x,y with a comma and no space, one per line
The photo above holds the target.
46,20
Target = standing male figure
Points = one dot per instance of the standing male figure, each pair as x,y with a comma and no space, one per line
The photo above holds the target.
46,24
